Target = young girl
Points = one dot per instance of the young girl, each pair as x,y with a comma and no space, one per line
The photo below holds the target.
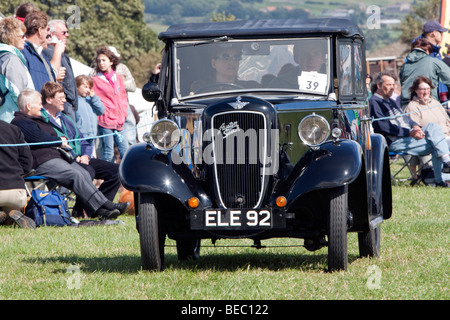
109,86
89,107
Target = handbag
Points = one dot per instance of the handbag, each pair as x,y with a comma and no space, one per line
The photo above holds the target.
67,154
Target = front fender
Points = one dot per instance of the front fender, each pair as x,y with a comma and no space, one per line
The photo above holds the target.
333,165
381,189
144,169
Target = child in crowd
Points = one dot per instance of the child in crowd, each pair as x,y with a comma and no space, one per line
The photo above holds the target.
89,107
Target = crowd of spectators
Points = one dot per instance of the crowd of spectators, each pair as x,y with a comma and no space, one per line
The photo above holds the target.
414,118
42,102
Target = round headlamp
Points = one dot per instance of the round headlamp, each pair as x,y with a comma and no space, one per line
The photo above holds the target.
164,135
313,130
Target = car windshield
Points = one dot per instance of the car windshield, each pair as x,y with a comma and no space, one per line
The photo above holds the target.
217,66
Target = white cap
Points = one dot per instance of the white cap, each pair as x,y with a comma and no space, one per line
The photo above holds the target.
114,50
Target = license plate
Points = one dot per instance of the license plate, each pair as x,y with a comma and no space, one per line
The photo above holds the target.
238,219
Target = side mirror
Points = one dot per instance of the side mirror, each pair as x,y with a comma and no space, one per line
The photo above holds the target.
151,91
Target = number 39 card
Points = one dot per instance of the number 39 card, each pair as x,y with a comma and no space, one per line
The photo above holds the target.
313,82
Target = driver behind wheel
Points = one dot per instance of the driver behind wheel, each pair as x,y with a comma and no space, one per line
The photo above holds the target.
225,60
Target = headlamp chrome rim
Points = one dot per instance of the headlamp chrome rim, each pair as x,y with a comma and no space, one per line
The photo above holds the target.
164,135
320,123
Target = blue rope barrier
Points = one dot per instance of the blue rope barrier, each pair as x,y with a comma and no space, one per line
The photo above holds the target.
408,113
116,133
119,134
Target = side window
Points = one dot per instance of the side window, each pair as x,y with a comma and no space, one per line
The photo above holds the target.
359,81
345,69
351,69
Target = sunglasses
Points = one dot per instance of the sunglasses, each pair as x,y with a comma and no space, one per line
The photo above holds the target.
228,57
48,36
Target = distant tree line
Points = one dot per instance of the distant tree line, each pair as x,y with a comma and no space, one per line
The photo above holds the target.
178,11
93,23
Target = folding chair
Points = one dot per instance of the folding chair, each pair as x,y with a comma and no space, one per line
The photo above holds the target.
414,175
33,182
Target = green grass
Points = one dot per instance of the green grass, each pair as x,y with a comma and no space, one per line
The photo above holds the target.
103,262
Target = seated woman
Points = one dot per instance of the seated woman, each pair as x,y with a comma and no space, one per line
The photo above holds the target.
425,109
48,161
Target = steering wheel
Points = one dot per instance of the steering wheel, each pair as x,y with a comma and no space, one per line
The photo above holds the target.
209,87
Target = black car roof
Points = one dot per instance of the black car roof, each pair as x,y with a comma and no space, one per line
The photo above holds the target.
242,28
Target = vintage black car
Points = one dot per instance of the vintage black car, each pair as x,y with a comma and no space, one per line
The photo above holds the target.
263,132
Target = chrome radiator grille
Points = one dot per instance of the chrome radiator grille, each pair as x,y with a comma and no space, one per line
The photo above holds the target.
238,146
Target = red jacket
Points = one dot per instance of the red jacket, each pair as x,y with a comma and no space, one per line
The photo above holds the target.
114,99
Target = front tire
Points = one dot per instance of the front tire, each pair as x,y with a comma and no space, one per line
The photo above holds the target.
151,234
370,242
337,229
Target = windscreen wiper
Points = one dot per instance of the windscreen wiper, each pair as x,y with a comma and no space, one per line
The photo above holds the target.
193,44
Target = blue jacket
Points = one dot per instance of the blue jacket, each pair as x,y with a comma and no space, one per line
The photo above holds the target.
36,67
86,115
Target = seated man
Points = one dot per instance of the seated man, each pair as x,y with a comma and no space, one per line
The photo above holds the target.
54,99
48,162
402,133
16,162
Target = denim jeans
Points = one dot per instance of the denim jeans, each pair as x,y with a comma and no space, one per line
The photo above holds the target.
107,143
434,143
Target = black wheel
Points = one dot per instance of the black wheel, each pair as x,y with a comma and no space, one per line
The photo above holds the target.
151,234
369,243
188,249
337,229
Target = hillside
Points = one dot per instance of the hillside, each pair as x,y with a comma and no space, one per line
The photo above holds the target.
388,13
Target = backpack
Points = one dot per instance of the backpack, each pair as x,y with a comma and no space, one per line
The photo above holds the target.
48,208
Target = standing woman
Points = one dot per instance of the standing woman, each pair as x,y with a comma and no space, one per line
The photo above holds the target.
109,86
14,75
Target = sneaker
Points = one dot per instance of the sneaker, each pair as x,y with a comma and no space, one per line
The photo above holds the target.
446,167
105,214
22,220
122,207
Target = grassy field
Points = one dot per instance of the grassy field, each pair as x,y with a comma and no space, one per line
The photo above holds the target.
103,262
